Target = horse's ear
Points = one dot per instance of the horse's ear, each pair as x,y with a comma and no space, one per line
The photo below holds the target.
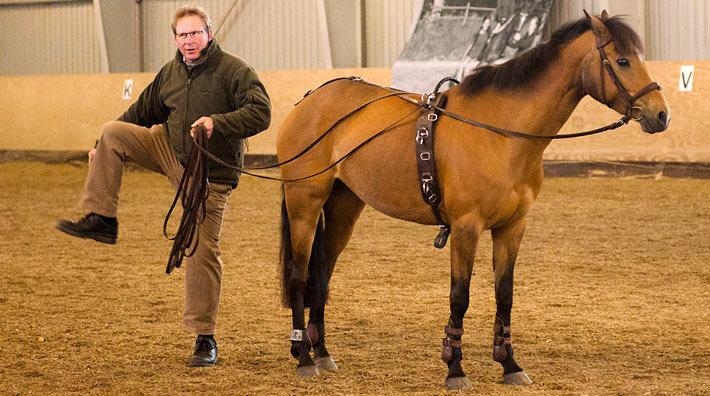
597,24
605,16
586,14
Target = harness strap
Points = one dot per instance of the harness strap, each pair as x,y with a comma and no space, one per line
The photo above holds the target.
501,338
310,91
449,343
426,165
632,111
453,331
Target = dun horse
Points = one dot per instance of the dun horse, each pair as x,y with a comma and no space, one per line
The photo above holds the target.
350,143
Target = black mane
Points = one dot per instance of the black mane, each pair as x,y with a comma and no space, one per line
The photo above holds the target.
526,67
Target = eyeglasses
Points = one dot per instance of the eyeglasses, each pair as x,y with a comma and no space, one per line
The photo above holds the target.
184,36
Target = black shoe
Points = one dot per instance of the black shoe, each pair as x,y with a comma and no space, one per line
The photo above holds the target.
99,228
205,354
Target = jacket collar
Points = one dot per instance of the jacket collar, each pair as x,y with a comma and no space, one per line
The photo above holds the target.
206,55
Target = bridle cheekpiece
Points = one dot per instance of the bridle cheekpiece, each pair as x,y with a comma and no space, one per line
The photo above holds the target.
632,111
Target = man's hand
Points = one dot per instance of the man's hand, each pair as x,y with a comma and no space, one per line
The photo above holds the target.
206,122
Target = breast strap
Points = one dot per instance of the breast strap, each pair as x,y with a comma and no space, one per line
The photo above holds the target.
426,165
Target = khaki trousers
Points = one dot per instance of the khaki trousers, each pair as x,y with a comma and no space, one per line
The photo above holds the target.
149,147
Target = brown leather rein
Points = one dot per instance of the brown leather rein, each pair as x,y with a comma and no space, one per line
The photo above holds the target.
633,112
194,190
194,184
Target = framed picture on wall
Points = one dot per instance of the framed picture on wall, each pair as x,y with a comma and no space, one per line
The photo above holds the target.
453,37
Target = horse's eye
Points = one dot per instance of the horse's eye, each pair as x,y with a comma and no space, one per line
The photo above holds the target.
623,63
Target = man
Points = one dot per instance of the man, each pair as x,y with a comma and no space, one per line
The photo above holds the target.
205,86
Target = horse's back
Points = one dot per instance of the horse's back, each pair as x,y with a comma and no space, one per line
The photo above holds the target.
320,110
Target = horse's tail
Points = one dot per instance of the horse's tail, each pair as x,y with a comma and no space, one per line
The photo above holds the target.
316,290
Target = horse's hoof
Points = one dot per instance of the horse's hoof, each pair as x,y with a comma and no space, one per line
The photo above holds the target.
519,378
307,371
457,383
326,363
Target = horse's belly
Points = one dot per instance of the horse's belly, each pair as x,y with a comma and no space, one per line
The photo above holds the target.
383,173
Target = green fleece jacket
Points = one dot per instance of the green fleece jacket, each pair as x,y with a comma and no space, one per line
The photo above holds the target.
221,86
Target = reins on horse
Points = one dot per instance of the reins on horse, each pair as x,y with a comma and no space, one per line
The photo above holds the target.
422,103
194,189
390,94
523,135
389,127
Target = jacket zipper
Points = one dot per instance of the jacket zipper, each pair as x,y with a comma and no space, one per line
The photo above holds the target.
185,129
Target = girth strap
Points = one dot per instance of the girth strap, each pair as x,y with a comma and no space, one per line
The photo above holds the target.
426,165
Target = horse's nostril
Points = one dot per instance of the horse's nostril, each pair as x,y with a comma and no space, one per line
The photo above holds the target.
663,117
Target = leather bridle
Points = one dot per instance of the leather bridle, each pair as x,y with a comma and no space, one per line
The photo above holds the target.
632,111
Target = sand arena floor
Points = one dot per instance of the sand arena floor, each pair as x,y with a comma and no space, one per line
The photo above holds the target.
612,296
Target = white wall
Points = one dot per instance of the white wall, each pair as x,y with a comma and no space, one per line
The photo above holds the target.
65,37
269,34
388,24
48,38
678,29
672,29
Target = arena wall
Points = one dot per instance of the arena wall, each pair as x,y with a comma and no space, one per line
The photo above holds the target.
55,116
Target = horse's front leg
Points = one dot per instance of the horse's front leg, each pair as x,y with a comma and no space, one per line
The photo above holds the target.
506,242
463,250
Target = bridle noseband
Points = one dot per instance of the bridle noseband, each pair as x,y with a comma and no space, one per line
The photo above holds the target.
632,111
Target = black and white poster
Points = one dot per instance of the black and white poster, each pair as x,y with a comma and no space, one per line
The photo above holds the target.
453,37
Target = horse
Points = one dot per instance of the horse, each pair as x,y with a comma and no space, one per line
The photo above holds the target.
349,143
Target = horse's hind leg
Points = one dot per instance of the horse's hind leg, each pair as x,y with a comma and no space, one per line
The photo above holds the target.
310,244
341,211
300,217
506,242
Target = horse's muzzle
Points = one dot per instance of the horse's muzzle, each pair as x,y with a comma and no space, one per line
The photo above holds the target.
654,123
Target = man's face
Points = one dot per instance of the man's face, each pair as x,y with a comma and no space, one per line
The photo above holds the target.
191,36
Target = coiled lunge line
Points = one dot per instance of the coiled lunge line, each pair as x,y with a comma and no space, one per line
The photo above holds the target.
194,189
